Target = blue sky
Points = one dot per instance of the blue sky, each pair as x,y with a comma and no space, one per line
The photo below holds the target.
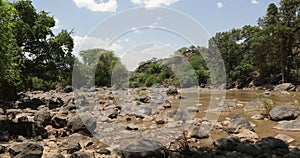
103,24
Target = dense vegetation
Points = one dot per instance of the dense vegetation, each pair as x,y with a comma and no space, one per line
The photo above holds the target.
268,53
33,57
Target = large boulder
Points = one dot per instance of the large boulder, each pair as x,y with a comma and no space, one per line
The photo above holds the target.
271,145
84,124
284,112
143,149
22,150
43,117
239,122
228,143
293,125
285,87
26,129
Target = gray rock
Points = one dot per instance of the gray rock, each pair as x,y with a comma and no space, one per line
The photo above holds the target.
284,112
271,145
68,89
77,141
238,122
228,143
198,132
247,148
59,121
104,151
254,105
172,91
293,125
81,154
192,109
143,149
178,115
285,87
85,123
26,129
29,103
257,117
43,117
144,111
144,99
22,150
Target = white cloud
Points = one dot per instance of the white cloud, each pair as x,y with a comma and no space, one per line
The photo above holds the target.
57,24
109,6
254,2
126,40
220,4
84,43
153,3
132,58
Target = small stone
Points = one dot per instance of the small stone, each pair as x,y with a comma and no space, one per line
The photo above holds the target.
257,117
104,151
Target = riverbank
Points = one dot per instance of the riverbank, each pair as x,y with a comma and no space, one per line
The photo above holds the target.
102,122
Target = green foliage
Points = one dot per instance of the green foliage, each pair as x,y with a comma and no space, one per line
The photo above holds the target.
272,48
102,65
32,57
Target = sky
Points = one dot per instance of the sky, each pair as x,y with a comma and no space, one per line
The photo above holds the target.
138,30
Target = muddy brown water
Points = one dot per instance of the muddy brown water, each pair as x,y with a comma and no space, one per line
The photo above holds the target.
263,128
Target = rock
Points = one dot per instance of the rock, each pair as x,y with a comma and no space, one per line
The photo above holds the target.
55,103
284,112
2,149
81,154
257,117
178,115
143,149
285,138
56,156
254,105
104,151
249,149
26,129
68,89
167,105
22,150
71,107
228,143
270,145
198,132
285,87
77,141
23,117
29,103
246,135
59,121
160,121
144,111
192,109
85,123
172,91
144,99
238,122
132,127
293,125
43,117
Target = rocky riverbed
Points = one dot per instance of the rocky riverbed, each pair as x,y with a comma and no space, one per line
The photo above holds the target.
150,122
